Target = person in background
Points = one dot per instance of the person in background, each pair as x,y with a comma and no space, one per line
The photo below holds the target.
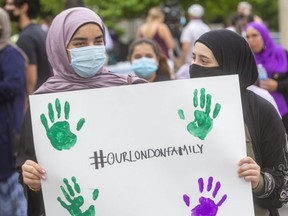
244,8
75,38
245,15
183,72
46,22
31,40
192,31
147,61
12,95
223,52
109,44
156,29
274,60
233,24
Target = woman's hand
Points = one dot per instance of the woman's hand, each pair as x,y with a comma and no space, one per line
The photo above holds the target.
32,174
249,170
270,85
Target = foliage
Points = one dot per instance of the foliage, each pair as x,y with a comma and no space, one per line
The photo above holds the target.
218,11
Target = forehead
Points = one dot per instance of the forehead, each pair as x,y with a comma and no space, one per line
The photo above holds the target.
251,30
143,47
201,49
9,4
87,30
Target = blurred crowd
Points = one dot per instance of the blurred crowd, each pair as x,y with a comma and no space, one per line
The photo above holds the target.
161,50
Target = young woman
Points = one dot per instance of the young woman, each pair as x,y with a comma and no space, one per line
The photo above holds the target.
223,52
12,97
274,59
76,51
147,60
156,29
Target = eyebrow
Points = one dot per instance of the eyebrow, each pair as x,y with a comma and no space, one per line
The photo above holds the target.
85,38
204,56
201,55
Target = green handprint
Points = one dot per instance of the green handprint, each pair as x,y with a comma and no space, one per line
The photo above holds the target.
59,133
78,201
202,123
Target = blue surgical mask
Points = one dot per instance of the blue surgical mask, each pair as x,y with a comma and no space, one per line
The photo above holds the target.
87,61
144,67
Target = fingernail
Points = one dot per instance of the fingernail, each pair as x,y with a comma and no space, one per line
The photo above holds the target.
43,177
43,171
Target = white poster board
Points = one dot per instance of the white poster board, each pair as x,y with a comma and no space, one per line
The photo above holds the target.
138,149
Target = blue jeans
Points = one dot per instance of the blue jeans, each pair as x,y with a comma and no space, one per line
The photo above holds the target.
12,199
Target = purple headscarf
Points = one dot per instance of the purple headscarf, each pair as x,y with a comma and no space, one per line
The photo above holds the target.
59,35
273,58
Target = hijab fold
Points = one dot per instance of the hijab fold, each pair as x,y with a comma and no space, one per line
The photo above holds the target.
59,35
233,55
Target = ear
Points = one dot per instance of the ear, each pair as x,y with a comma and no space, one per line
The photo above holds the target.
24,8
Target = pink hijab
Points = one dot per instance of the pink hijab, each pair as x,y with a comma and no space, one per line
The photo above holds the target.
59,35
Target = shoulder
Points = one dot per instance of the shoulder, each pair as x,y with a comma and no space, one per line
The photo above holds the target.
190,28
264,114
265,125
259,103
33,31
163,26
263,93
163,29
11,51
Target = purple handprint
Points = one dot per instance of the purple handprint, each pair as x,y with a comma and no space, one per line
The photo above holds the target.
206,206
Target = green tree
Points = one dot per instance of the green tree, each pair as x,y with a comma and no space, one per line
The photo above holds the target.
215,11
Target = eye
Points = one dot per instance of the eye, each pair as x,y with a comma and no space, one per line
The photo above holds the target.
79,44
252,36
99,41
137,56
204,61
149,55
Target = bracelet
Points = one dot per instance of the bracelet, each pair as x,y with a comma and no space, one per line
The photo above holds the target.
35,190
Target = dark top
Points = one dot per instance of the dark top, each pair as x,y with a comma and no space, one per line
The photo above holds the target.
160,41
32,40
162,44
161,77
12,93
266,130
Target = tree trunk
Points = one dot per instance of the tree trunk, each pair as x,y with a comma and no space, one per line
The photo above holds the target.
283,17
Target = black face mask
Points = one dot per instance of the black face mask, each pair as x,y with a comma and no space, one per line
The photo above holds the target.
197,71
13,18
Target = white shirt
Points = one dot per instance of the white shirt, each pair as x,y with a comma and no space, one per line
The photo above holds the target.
191,32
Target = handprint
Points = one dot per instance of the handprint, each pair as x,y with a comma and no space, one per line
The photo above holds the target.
202,123
59,133
76,201
206,206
